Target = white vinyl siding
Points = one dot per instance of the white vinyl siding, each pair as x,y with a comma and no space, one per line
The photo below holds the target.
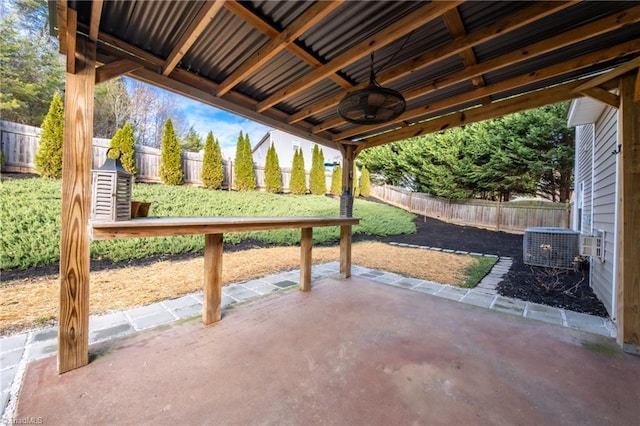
604,204
584,152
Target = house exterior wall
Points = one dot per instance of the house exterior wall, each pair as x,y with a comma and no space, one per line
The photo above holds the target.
285,144
584,177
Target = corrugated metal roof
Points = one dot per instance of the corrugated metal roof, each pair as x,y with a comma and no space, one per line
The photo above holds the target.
228,41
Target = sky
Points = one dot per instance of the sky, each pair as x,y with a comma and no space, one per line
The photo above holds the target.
225,126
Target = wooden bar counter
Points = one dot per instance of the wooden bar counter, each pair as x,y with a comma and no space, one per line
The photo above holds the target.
213,229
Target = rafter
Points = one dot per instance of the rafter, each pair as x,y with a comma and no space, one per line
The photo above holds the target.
309,18
616,72
94,25
502,27
602,95
613,52
534,50
115,69
454,24
524,102
264,27
207,12
391,33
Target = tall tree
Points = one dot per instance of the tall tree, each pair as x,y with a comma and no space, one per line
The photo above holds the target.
244,173
212,168
192,141
124,143
272,173
317,179
171,159
112,107
365,182
48,159
298,184
32,70
336,180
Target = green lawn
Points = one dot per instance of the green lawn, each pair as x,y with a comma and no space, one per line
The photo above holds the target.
30,220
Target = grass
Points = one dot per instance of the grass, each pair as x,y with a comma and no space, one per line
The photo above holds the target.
30,218
32,302
476,271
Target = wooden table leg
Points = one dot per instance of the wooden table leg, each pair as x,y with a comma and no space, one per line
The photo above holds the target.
306,244
212,310
345,250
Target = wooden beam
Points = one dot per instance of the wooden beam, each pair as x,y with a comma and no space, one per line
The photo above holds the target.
212,292
73,318
309,18
613,52
601,95
636,96
530,100
207,12
94,25
628,287
306,245
71,39
255,21
207,97
500,28
389,34
454,24
616,72
345,251
61,11
346,200
115,69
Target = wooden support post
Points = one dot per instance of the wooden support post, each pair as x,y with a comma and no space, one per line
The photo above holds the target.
306,245
346,200
628,288
212,298
345,251
73,316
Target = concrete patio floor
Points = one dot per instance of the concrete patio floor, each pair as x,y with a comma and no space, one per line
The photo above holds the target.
348,352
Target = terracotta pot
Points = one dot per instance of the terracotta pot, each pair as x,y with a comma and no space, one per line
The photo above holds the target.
135,205
143,210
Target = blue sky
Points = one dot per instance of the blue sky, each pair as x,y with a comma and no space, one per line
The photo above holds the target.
225,126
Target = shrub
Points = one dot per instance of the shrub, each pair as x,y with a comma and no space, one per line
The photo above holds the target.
336,180
123,141
171,159
365,182
48,159
272,174
212,168
298,184
356,182
244,173
317,179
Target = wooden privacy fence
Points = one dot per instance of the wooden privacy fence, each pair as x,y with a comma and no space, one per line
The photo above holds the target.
513,216
20,145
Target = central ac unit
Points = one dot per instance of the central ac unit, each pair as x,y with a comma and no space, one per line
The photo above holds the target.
550,247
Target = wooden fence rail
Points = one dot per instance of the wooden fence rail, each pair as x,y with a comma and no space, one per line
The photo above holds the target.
20,145
513,216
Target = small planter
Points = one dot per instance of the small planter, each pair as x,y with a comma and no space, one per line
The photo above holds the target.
135,206
143,210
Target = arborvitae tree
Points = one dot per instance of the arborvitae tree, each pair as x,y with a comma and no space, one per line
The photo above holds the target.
272,174
244,173
212,168
298,184
48,159
317,180
365,182
336,181
124,143
192,141
171,159
356,182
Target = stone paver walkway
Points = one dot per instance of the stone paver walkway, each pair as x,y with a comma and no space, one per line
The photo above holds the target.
18,350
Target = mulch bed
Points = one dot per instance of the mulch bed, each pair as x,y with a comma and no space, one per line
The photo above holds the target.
562,288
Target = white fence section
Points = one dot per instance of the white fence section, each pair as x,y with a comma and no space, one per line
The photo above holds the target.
20,145
513,216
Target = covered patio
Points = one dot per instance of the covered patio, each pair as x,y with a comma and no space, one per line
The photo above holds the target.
288,65
353,351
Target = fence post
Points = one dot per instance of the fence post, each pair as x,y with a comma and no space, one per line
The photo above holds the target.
498,215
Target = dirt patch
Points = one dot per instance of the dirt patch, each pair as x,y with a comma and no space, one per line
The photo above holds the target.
34,301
